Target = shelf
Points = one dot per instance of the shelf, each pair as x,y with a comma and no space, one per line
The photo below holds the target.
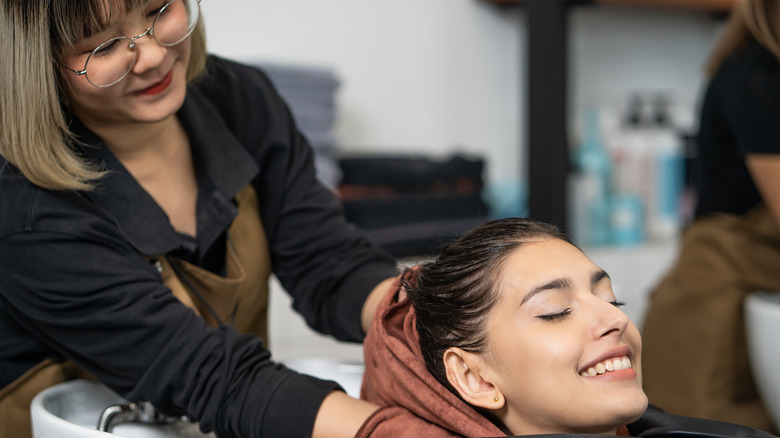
711,5
548,151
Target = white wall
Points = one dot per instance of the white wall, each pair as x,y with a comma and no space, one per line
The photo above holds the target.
618,50
417,75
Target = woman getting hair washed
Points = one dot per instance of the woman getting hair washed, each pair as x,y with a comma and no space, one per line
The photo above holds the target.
147,193
732,248
512,330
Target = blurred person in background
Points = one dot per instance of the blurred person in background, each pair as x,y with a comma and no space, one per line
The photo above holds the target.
696,361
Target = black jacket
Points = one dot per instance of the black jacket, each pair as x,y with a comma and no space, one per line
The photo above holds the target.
74,282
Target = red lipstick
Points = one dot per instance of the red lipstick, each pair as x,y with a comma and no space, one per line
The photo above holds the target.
160,86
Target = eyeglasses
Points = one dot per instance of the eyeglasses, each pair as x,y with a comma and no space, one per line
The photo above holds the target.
112,60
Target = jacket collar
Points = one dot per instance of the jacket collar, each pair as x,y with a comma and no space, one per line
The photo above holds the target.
223,167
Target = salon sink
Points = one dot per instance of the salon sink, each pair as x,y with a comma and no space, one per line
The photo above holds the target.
73,410
762,322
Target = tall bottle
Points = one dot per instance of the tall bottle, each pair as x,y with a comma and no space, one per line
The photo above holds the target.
593,183
669,173
631,186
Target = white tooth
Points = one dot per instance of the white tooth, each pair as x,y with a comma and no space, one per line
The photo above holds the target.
592,371
585,374
600,368
610,366
626,363
619,364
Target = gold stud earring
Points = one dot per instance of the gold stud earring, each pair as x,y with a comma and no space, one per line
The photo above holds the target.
495,399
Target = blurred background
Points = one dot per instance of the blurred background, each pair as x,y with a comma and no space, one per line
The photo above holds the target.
430,116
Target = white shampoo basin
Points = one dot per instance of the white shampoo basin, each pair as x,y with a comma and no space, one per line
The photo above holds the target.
762,321
73,410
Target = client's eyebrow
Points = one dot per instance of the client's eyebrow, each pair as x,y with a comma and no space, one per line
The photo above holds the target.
598,276
558,283
562,283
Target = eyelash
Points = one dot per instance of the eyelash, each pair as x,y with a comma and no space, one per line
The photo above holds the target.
557,316
154,13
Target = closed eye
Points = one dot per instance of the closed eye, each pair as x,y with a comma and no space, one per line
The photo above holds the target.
106,48
153,13
555,316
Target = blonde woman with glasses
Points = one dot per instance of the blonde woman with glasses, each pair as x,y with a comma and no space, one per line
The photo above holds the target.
147,193
696,360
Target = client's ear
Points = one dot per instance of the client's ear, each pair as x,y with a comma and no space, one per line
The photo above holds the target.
468,374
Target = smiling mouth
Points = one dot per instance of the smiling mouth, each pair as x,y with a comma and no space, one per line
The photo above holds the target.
160,86
607,366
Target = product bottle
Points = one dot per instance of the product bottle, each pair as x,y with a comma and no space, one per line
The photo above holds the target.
593,184
669,173
630,186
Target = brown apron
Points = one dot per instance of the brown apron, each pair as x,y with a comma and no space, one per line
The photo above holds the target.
695,359
240,298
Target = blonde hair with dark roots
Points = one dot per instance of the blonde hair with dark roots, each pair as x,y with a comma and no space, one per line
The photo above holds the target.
756,19
34,132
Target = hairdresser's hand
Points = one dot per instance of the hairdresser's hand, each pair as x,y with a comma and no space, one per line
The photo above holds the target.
406,279
392,285
372,302
401,294
341,416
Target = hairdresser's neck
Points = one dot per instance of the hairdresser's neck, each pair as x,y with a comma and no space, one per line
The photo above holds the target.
144,147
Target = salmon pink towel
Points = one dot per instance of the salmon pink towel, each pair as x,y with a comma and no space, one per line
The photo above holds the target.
414,403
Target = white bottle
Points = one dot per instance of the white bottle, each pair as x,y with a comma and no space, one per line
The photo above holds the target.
668,174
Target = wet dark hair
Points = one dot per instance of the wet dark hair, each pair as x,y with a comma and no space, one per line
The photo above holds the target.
453,295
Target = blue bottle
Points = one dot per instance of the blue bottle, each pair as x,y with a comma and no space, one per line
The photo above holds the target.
594,183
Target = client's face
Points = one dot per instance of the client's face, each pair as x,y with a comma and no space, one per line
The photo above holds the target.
562,353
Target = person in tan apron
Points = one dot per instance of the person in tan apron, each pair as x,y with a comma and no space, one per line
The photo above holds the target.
213,297
147,193
696,361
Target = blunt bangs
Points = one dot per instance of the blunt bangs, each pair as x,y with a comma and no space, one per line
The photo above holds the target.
75,20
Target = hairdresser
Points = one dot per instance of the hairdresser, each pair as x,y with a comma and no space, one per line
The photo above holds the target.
147,193
696,361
